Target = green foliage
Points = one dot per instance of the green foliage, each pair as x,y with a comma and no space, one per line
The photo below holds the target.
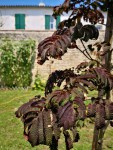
16,62
39,84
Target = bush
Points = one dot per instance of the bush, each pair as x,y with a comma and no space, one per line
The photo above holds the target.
39,84
17,59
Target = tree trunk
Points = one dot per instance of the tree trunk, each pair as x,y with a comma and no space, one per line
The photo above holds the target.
99,134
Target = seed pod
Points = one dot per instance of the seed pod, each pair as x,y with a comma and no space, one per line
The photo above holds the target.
47,127
33,133
100,116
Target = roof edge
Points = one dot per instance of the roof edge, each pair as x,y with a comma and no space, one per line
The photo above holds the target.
2,6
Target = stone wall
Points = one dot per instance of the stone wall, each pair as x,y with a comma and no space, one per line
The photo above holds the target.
71,59
24,34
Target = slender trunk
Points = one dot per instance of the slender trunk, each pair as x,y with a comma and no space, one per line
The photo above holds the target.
95,138
99,134
108,36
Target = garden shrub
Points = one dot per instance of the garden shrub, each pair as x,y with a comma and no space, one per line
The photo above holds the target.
39,84
17,59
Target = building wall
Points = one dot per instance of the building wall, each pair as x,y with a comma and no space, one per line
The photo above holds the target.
34,17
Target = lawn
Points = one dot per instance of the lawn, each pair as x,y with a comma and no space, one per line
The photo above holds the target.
11,128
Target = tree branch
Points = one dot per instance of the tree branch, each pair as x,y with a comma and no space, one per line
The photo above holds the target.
83,52
87,55
86,50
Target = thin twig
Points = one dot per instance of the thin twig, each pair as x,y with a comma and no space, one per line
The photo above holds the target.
84,53
88,55
86,50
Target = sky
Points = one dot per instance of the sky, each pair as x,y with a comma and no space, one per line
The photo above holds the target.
31,2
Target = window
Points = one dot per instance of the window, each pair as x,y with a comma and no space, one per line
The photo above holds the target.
50,22
19,21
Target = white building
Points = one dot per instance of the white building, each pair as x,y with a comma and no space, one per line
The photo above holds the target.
30,17
27,18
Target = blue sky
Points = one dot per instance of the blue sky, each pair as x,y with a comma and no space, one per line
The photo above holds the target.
31,2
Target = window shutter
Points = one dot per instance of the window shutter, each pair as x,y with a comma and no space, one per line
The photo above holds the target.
20,21
57,21
17,21
47,21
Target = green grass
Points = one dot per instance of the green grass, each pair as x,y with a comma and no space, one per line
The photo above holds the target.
11,128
